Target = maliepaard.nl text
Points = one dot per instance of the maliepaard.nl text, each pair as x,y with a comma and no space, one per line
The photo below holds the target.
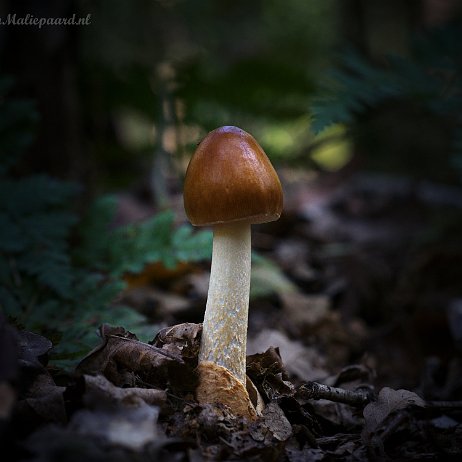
30,20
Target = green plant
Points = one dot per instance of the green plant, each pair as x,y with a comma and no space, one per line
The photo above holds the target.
65,291
129,248
430,80
60,273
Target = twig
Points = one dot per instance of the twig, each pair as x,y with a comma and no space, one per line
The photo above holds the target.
444,405
314,390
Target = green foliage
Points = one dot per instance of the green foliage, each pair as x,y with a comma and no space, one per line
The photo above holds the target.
129,248
63,291
60,274
431,80
358,85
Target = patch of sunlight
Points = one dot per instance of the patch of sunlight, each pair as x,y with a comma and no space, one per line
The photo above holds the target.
135,131
282,139
333,148
279,139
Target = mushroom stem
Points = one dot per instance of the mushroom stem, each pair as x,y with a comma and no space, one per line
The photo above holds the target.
224,334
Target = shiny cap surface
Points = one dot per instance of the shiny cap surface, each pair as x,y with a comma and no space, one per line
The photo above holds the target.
230,179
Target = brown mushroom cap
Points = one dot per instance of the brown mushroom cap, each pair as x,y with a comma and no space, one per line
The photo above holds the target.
230,179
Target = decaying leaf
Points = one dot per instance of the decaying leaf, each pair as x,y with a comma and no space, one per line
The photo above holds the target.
98,389
39,396
122,358
128,426
304,362
268,374
274,422
122,416
343,446
388,401
182,340
353,376
33,349
45,398
169,362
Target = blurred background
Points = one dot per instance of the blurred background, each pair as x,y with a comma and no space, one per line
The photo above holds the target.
123,100
358,105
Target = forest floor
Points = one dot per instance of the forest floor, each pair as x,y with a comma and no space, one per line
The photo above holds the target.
355,340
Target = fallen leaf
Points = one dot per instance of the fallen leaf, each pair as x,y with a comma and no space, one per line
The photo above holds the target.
129,426
343,446
339,415
33,349
122,358
39,398
353,376
180,340
98,390
306,363
276,422
46,399
268,374
388,401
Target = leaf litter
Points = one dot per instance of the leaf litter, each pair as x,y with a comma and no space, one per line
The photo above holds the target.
325,399
128,400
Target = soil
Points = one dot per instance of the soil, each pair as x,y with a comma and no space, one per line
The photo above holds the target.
354,345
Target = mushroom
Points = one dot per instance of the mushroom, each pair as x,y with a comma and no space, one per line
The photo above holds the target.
230,184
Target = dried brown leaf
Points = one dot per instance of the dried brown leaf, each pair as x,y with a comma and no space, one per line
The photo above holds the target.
46,399
268,374
276,422
39,398
98,390
33,349
304,362
121,356
180,340
388,401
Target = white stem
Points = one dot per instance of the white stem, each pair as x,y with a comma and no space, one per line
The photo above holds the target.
224,335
